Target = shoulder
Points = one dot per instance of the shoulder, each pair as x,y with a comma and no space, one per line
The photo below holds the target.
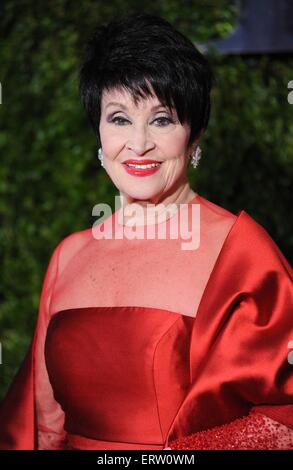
214,210
247,239
255,233
76,240
70,246
256,245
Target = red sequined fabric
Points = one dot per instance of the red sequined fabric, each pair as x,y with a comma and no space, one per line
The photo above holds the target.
253,432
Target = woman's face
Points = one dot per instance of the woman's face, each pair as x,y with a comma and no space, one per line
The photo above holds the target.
146,132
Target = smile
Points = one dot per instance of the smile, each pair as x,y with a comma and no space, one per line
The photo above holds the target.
150,165
139,169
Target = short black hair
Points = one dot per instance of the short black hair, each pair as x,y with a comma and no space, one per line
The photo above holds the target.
143,48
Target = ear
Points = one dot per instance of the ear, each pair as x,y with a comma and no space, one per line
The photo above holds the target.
197,141
199,136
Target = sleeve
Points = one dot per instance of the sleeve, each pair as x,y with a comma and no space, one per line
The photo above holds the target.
241,395
30,418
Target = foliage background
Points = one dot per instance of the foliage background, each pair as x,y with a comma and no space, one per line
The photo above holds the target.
50,177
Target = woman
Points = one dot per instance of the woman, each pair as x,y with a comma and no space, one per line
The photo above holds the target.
145,342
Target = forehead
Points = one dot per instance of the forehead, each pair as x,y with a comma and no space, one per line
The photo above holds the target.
125,99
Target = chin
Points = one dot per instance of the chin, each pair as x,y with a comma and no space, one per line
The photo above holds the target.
140,194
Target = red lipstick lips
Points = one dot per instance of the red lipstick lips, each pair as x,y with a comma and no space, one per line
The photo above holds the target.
141,167
141,162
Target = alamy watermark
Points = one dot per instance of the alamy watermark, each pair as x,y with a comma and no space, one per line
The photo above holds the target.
160,221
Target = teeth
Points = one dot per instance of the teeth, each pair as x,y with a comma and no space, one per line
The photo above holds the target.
150,165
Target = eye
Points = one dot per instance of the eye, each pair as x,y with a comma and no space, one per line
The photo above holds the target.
120,119
163,121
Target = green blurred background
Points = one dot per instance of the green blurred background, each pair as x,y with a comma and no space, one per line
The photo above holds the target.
50,177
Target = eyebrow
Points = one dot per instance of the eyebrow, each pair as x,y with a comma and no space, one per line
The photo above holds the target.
115,103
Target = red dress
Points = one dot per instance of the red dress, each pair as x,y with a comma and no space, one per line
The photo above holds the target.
140,344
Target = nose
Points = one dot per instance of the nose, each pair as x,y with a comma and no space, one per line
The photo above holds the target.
140,142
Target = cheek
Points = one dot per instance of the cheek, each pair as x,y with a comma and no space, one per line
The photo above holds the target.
175,146
111,142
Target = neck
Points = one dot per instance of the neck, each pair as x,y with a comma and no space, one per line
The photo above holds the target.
182,195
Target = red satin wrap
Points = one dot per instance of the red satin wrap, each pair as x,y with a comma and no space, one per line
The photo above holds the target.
196,374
